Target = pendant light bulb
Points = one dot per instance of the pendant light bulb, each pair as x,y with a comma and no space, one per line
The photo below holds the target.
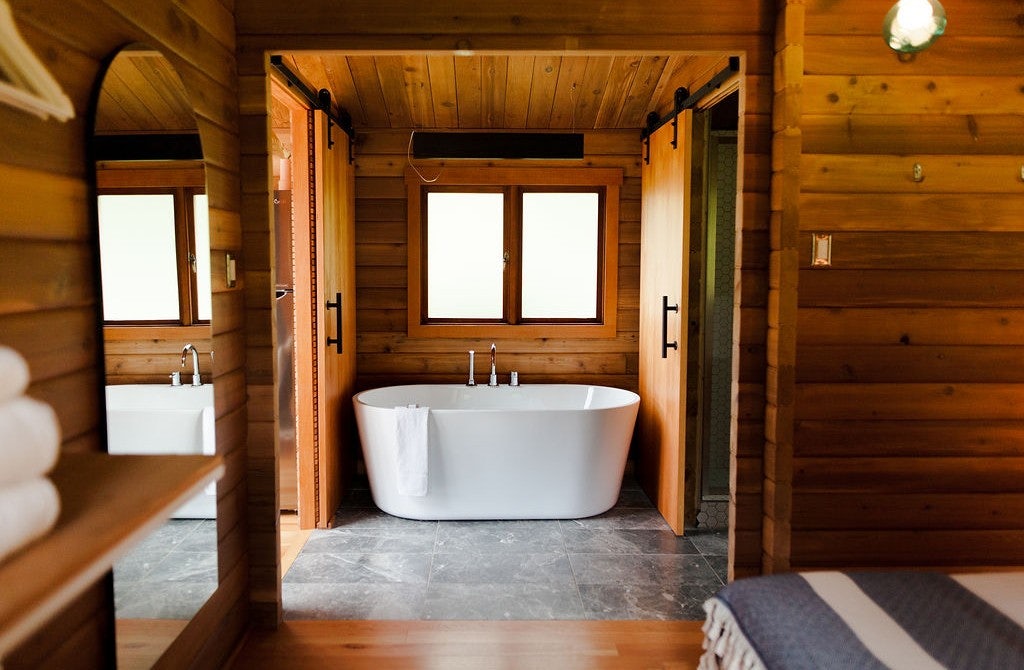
912,25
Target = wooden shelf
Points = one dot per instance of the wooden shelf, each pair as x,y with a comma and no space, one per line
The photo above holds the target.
108,503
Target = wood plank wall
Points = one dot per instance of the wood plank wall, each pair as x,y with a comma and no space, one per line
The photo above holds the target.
908,396
786,142
388,356
730,26
149,355
262,507
47,260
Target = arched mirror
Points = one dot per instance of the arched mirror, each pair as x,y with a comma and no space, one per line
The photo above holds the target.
155,271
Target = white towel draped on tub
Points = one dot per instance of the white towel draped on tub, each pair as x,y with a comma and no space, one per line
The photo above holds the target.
411,434
29,439
28,509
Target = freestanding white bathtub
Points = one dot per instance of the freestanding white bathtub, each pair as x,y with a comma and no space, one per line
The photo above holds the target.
537,451
165,419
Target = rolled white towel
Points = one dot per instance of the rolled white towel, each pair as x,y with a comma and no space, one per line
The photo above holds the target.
27,511
14,373
29,439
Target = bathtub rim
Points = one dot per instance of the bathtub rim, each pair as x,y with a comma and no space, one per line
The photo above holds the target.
631,397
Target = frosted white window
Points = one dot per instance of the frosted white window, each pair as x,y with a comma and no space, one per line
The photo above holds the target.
201,214
465,255
559,255
137,251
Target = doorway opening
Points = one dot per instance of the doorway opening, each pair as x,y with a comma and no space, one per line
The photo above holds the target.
387,353
712,297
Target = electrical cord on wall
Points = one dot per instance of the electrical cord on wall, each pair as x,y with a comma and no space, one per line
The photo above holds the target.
408,158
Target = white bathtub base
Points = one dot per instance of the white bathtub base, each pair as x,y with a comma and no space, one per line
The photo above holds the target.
533,452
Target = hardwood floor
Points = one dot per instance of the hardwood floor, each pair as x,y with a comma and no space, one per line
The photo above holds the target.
292,539
476,645
140,642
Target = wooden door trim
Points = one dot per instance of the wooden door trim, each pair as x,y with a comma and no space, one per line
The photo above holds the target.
303,211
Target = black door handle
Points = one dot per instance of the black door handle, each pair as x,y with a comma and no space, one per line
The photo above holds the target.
665,309
336,305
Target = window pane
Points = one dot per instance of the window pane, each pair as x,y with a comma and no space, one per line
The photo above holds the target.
465,263
201,214
137,254
560,236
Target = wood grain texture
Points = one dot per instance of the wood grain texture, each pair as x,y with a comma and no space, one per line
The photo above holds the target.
664,281
595,645
336,256
386,350
908,372
51,248
782,260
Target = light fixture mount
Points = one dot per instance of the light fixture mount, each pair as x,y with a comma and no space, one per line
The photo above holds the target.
913,25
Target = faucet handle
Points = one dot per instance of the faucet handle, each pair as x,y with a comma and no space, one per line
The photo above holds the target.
513,378
175,378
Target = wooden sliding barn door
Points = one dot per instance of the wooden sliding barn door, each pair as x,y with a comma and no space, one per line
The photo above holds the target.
664,289
325,264
337,324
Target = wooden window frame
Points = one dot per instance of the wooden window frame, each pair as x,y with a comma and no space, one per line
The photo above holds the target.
607,181
183,180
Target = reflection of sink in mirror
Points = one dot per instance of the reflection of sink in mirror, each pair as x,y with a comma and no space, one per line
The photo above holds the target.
164,419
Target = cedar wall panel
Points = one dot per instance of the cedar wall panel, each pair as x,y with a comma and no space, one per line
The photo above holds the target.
48,309
909,379
730,26
388,356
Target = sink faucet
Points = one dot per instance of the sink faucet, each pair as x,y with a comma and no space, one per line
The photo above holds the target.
493,380
195,363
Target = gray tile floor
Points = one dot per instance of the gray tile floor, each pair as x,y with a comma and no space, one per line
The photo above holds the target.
624,564
170,574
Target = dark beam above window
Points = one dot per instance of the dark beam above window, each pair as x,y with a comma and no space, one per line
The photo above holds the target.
497,145
147,147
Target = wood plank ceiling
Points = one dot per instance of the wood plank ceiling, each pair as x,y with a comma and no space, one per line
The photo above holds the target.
142,93
501,92
445,91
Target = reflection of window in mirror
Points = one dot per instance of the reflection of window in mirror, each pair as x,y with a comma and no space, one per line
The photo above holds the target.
154,249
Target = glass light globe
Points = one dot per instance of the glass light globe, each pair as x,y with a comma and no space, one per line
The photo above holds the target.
912,25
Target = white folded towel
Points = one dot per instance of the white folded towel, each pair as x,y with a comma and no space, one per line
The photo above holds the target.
411,433
13,372
29,439
28,510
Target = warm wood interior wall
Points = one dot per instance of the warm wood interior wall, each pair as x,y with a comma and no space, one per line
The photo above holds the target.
262,508
388,356
732,26
908,441
47,259
148,355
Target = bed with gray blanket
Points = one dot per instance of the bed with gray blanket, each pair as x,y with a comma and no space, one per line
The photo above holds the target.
868,620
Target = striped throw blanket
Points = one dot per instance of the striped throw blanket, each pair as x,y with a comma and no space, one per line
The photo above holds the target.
865,621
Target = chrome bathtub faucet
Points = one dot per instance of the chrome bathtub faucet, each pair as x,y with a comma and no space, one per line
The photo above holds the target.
195,363
471,382
493,380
